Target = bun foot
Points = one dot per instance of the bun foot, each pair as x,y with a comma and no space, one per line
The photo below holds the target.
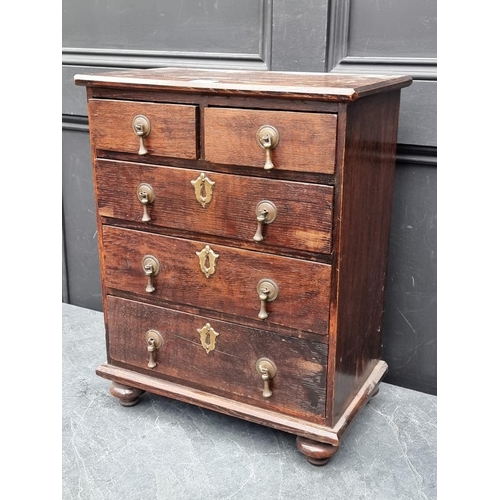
316,453
128,396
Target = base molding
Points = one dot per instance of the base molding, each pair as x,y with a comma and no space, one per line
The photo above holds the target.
318,442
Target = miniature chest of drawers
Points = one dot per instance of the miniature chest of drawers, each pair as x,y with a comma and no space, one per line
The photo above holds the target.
243,226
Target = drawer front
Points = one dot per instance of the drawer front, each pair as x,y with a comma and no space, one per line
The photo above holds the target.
227,365
303,212
306,140
186,276
172,127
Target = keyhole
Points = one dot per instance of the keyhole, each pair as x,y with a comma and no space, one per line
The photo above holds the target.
207,262
203,192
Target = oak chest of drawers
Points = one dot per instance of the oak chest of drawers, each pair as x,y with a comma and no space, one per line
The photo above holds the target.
243,226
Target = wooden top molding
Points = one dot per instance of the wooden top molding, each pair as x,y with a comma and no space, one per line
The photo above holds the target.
292,85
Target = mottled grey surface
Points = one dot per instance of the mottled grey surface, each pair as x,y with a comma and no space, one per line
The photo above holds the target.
164,449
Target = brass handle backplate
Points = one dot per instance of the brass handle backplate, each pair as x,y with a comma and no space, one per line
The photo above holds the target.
151,267
154,341
266,213
268,138
146,195
268,291
141,127
267,370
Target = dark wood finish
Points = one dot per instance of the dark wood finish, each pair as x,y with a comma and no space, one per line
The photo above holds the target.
365,208
173,127
304,292
316,453
128,396
276,420
305,139
235,100
305,211
318,86
360,399
230,368
326,253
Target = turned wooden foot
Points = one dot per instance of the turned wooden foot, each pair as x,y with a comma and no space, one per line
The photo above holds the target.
316,453
128,396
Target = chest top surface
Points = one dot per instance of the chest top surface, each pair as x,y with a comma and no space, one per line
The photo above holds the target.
315,86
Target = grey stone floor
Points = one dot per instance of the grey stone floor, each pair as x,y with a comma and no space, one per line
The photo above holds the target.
164,449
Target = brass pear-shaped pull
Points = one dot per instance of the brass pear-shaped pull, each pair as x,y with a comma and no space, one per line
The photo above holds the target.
266,213
154,341
267,370
268,291
146,196
151,267
141,128
268,138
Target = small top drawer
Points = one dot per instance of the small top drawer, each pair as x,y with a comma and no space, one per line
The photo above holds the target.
280,140
143,128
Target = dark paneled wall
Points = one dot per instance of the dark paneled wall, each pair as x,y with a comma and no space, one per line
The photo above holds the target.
352,36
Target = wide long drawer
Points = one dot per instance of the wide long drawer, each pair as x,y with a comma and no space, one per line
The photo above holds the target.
220,357
143,128
304,142
219,278
284,214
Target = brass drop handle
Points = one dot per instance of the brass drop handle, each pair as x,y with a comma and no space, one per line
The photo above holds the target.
146,195
267,370
151,267
141,128
154,341
266,213
268,138
268,291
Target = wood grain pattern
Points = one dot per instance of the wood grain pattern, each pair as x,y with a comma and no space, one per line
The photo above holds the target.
304,219
318,86
305,427
306,144
365,200
173,127
327,249
304,287
298,387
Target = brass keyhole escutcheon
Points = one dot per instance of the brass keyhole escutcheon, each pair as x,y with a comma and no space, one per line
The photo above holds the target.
151,267
208,261
203,189
268,138
141,127
154,341
267,370
146,195
208,336
268,291
266,213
